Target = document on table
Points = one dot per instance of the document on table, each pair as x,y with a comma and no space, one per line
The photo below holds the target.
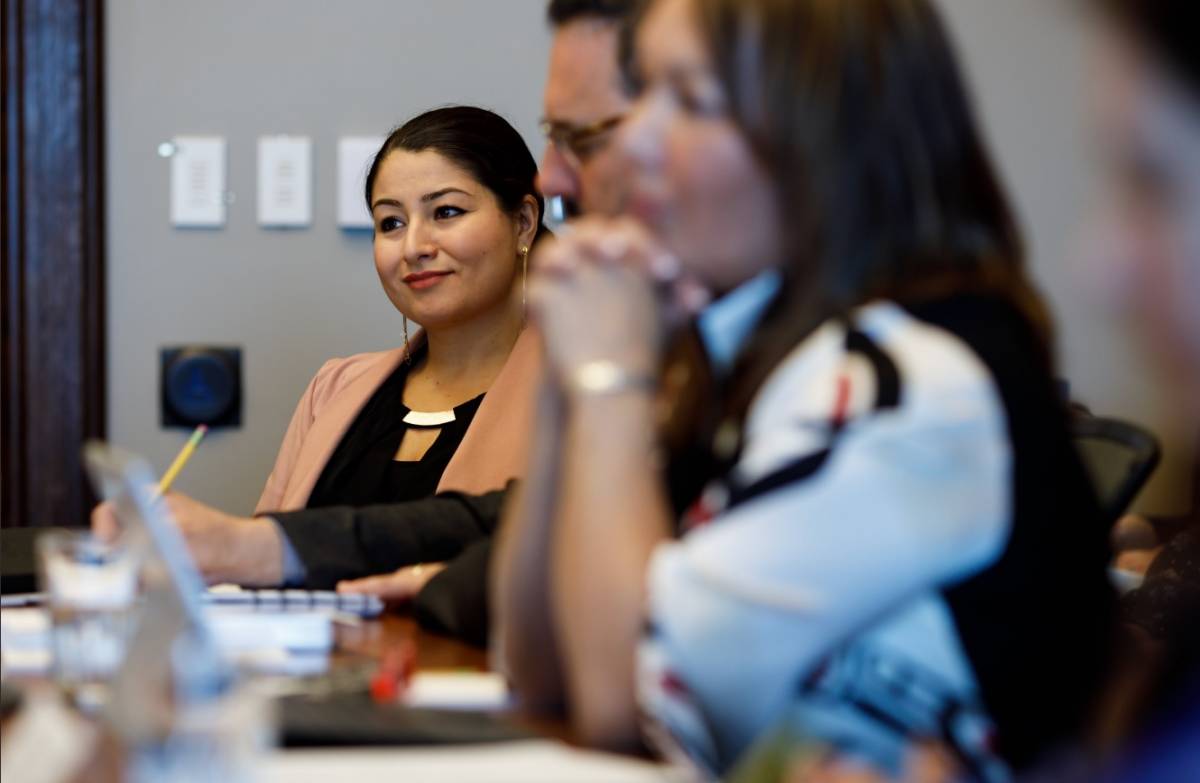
283,642
534,761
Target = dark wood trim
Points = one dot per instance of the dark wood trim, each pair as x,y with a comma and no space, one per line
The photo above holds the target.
12,434
94,324
53,322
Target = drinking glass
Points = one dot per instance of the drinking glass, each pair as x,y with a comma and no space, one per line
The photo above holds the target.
90,587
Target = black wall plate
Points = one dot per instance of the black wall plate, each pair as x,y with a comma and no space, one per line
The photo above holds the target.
201,385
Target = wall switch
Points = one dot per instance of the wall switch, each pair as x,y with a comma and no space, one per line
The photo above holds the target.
284,181
355,154
198,181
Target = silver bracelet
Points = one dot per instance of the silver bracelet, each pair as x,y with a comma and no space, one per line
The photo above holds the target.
603,376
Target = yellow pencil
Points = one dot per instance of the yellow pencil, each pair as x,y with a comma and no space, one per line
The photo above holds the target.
185,454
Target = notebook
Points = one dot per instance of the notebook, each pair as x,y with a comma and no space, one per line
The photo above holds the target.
294,600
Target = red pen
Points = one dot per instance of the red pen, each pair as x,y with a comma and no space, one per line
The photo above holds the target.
395,672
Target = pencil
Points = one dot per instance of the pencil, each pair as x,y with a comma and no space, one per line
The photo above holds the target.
181,459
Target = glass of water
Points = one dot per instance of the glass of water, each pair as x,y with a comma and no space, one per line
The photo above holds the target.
90,587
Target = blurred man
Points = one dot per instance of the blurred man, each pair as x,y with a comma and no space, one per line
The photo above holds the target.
584,102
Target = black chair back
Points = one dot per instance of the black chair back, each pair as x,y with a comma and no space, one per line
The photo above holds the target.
1119,458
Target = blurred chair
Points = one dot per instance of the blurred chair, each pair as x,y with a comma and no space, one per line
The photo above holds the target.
1119,458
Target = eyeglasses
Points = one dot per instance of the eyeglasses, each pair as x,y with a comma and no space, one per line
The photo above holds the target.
579,142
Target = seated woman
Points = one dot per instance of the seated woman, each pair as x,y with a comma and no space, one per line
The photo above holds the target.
456,212
894,537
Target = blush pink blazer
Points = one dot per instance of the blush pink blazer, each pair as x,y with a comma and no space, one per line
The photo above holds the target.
493,451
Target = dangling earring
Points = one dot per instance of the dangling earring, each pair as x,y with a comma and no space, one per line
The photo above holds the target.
524,278
407,350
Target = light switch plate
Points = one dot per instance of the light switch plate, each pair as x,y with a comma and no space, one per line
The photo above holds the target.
198,181
284,181
355,154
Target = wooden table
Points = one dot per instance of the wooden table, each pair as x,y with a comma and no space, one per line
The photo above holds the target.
362,645
371,639
434,651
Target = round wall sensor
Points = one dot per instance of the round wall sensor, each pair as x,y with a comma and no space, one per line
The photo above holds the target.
201,385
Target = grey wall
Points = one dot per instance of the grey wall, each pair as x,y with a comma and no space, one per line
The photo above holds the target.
290,298
244,68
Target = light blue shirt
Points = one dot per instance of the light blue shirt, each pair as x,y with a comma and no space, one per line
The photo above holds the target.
725,324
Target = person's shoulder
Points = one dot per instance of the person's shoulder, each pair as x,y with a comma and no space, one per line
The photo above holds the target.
932,355
888,356
338,372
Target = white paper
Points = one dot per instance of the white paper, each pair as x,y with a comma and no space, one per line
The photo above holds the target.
237,629
355,154
457,691
198,181
284,181
294,643
25,641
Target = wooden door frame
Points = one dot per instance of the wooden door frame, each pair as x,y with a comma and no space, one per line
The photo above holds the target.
52,360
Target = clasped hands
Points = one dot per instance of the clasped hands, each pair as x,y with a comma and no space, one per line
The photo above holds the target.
605,290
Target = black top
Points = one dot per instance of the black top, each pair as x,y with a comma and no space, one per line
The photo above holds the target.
347,542
1037,623
369,514
363,469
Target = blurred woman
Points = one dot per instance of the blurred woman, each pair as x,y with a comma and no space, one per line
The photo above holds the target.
894,538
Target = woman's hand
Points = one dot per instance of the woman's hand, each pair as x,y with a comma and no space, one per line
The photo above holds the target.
1135,544
226,548
105,525
402,584
607,291
1133,531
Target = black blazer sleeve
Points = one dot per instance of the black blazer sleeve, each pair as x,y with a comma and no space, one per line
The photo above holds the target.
343,542
455,600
